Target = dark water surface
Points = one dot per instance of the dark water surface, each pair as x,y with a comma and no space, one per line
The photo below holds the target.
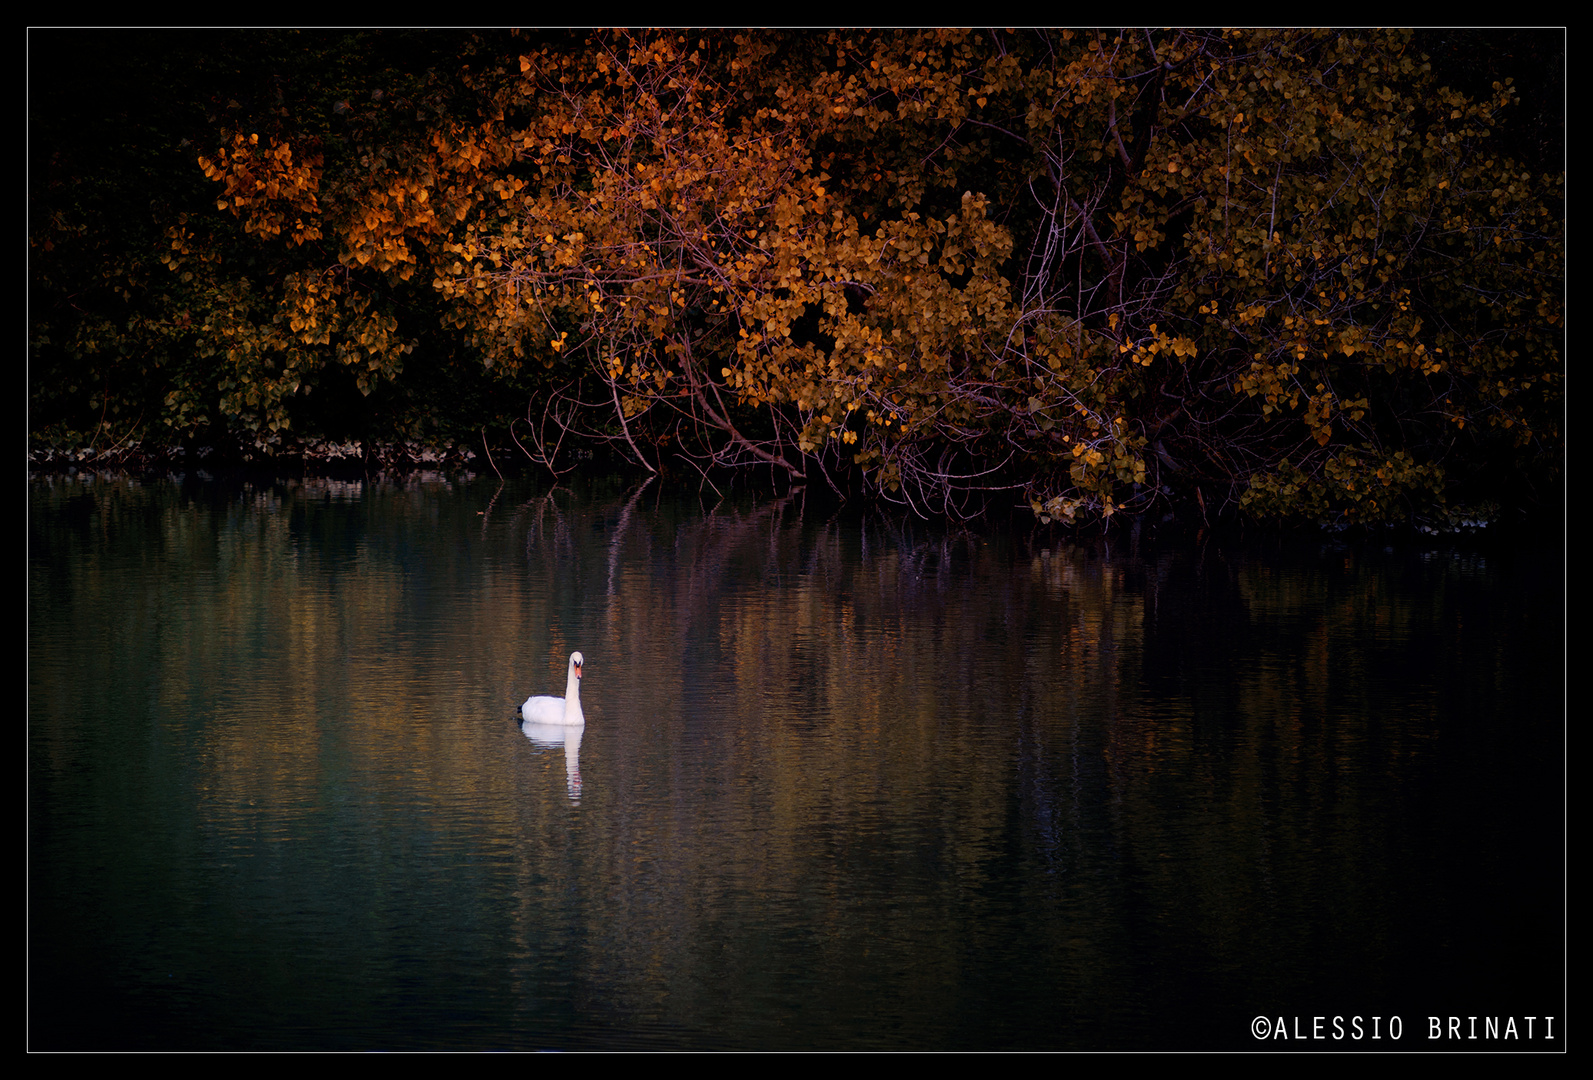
841,786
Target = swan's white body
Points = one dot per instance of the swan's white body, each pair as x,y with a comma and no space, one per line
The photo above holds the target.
558,710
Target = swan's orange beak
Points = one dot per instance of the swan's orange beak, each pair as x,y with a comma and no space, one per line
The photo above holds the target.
577,671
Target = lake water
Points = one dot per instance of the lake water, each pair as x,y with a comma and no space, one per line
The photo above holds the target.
843,784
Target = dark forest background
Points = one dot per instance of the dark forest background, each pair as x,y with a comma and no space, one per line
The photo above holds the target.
1294,275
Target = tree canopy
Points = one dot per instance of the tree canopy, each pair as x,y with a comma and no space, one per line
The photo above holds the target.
1280,273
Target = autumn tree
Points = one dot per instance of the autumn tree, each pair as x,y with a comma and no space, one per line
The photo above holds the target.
1286,268
165,308
1371,293
1280,273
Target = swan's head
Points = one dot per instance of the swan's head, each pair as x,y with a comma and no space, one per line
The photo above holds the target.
576,660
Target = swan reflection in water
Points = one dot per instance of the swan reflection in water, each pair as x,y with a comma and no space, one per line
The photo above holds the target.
550,736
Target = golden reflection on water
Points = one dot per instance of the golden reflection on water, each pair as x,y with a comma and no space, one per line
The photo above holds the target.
842,784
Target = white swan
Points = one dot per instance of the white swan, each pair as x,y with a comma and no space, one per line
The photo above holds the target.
558,710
